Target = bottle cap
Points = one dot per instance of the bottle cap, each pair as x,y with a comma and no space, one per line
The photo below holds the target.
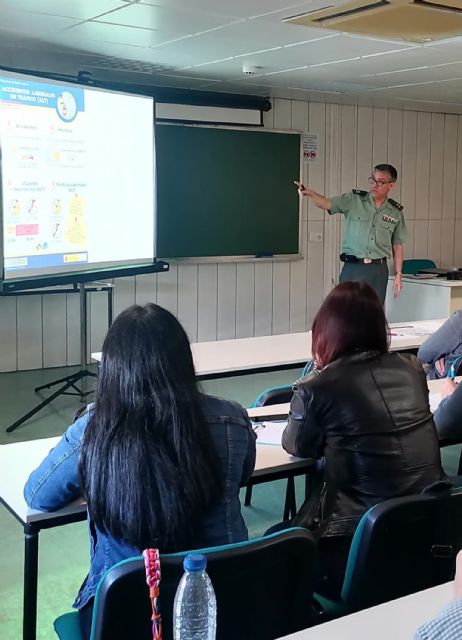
195,562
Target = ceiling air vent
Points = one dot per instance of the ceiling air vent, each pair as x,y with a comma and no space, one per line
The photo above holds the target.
410,20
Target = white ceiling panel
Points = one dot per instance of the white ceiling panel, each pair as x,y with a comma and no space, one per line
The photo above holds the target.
157,42
83,34
79,9
266,33
178,22
33,24
198,50
239,8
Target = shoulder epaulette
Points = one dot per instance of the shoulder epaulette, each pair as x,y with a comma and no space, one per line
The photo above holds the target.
359,192
395,204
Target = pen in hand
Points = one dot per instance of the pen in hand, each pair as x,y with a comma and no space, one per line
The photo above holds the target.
258,426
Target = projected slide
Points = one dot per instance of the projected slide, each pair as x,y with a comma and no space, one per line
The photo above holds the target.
77,177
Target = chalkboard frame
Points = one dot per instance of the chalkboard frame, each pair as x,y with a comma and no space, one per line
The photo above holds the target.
286,257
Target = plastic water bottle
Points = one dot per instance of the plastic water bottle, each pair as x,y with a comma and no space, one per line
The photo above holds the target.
195,605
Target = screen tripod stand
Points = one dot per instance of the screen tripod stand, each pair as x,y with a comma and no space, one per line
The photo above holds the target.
69,383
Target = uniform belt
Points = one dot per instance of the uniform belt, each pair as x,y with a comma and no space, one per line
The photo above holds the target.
344,257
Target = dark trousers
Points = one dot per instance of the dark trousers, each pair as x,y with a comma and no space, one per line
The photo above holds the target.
374,274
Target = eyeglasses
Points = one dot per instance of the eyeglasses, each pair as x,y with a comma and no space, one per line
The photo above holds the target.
379,183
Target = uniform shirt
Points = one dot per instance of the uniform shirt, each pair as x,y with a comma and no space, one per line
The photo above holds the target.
369,232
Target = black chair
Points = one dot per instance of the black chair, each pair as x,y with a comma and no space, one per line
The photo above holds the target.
263,587
401,546
280,395
274,395
446,442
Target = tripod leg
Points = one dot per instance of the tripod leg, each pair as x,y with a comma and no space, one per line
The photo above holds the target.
51,384
72,380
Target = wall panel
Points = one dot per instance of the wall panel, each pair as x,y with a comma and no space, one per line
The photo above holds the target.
245,299
30,338
407,175
263,298
436,165
54,330
422,186
207,302
226,290
281,297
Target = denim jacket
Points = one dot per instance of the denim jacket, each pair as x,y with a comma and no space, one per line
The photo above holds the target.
55,483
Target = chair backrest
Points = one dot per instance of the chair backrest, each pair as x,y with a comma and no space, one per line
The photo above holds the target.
401,546
278,395
263,588
274,395
413,265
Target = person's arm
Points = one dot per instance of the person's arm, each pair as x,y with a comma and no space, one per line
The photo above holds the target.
55,482
319,200
303,435
398,263
448,415
447,625
443,341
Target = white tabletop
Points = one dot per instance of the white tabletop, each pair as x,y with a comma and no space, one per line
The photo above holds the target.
438,282
395,620
242,354
17,460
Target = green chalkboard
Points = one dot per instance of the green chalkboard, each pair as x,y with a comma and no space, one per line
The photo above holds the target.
226,192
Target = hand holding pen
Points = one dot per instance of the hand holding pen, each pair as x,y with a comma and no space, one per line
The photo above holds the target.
302,190
448,387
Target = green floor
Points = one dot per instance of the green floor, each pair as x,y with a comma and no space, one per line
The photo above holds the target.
63,555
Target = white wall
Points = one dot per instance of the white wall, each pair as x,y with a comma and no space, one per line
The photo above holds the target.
228,300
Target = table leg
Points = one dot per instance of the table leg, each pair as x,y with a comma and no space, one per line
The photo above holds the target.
29,628
307,485
248,495
290,506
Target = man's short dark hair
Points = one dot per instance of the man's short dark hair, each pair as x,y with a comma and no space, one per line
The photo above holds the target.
389,169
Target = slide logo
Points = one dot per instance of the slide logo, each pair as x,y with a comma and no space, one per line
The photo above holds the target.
66,106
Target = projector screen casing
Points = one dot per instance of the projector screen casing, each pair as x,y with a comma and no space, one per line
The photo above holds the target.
78,196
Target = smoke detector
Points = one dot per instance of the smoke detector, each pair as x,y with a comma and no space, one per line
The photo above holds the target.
250,69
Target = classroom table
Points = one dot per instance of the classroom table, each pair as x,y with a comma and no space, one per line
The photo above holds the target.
424,299
394,620
224,358
19,459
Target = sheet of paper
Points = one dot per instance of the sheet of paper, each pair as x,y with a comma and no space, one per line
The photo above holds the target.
270,432
406,332
435,399
413,331
427,328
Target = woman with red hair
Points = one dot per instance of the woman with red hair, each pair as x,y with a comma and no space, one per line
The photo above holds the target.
366,411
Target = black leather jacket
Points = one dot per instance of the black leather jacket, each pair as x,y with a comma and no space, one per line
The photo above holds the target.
368,414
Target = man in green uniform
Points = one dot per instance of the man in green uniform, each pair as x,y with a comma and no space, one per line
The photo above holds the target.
375,230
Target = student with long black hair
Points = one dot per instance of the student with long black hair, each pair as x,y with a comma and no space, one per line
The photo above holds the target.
159,463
